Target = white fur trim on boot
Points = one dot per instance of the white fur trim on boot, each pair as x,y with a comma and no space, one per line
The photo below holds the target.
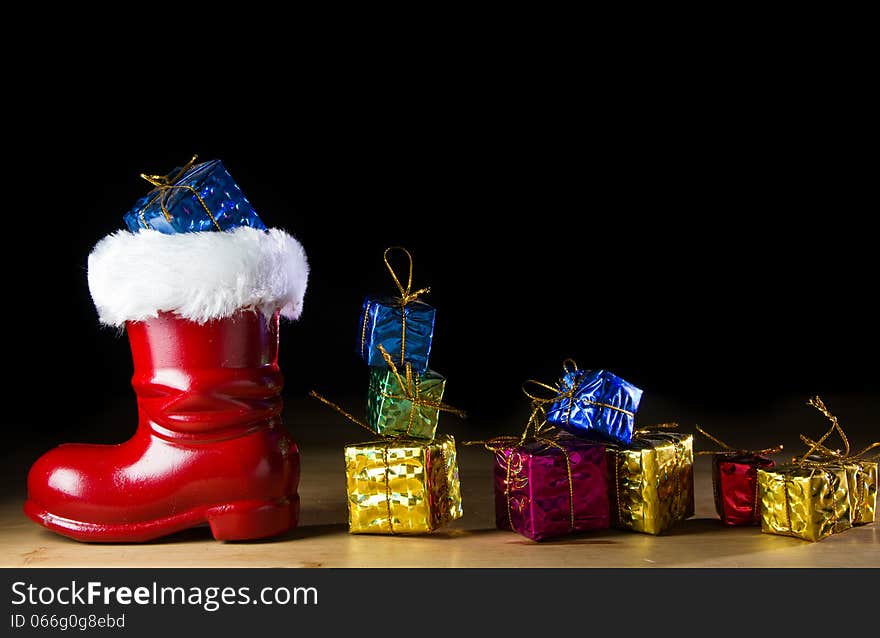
197,276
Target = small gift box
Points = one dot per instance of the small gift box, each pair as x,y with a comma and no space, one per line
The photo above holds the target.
197,197
402,486
652,481
399,485
403,326
592,402
735,484
407,404
407,407
808,501
735,481
812,497
548,487
861,473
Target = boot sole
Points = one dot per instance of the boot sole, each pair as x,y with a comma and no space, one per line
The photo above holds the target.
239,521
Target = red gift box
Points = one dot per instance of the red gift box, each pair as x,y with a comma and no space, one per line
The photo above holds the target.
735,481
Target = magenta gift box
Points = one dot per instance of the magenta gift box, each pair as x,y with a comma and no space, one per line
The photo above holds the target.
550,487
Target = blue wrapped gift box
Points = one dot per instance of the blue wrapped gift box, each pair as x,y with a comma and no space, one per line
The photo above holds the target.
195,198
405,331
595,402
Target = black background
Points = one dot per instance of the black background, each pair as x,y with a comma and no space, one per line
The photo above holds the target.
705,233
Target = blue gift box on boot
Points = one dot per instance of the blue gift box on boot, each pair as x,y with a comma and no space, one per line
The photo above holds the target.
195,198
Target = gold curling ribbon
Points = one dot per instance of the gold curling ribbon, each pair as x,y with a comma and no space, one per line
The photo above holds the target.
537,426
828,456
729,449
534,428
407,295
657,428
164,184
347,415
569,366
364,330
824,451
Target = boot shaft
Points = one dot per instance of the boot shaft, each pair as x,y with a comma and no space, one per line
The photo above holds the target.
216,379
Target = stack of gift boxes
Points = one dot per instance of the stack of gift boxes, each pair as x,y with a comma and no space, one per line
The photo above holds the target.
406,482
581,464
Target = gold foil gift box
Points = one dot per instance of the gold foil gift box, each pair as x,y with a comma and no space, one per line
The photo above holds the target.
861,473
807,501
652,481
822,492
402,486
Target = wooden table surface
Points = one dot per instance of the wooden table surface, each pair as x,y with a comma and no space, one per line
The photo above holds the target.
322,539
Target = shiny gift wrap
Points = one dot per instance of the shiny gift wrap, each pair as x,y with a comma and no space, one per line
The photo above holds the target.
404,330
402,486
652,482
861,480
595,402
411,411
804,501
861,473
735,483
402,326
551,487
200,197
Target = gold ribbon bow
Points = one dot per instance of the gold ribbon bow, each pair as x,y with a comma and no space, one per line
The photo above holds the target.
537,425
164,184
407,295
569,367
729,449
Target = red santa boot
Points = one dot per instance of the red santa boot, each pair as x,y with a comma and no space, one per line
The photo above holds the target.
201,311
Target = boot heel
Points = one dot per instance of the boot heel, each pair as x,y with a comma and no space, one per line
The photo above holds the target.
253,519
